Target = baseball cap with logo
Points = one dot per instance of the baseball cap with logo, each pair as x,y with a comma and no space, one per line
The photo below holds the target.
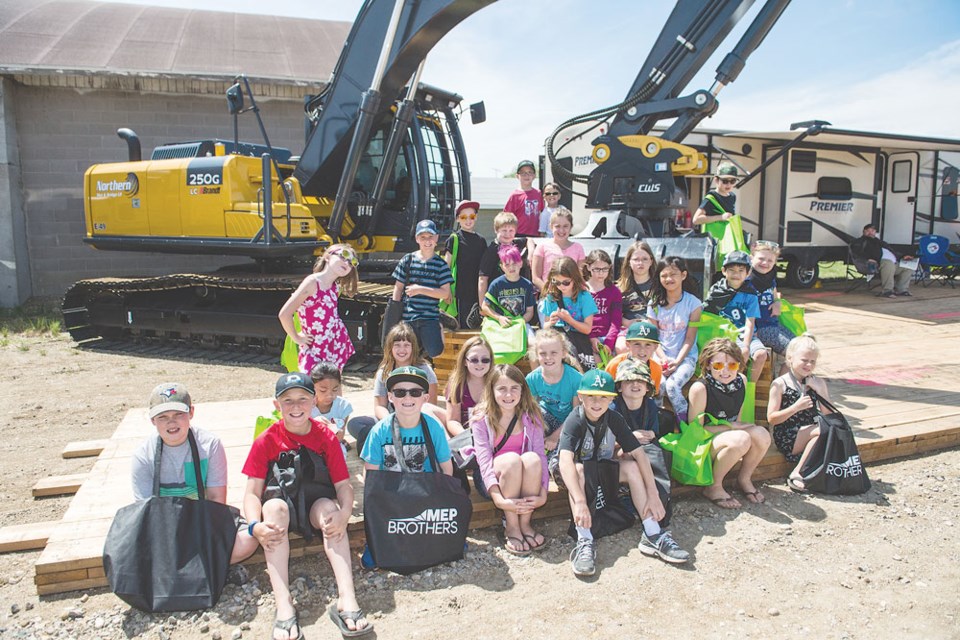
526,163
426,226
597,382
643,332
169,396
295,380
408,374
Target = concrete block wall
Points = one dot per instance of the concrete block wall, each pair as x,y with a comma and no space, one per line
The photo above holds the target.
14,262
62,131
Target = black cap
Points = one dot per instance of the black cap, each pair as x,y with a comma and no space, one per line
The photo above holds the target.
295,380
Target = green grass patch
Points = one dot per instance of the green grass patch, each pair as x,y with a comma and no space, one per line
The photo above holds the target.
35,318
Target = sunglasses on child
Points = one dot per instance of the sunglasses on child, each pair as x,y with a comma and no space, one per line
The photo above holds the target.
403,393
478,360
728,181
562,283
467,216
551,193
718,366
347,254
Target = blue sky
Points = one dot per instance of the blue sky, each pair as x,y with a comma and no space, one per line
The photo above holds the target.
879,65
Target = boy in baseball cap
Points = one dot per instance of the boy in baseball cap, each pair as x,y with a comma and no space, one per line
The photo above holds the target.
407,390
526,202
328,514
640,411
171,413
735,298
643,338
423,279
591,432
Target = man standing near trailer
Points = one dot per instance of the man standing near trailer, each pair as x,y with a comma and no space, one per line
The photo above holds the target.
894,277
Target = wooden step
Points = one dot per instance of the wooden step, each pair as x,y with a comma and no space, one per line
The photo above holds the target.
58,485
83,449
23,537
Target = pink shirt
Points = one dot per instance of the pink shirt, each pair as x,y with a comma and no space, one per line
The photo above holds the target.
526,205
550,252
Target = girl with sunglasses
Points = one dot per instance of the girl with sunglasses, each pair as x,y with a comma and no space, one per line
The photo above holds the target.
567,305
508,441
467,382
720,392
322,337
551,203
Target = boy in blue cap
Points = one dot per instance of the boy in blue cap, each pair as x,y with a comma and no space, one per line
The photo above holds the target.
423,280
738,301
592,417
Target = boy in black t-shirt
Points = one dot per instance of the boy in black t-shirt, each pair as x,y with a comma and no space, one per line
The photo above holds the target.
470,247
577,444
505,226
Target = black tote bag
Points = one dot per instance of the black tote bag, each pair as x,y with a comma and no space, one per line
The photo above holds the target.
601,484
415,520
834,465
170,553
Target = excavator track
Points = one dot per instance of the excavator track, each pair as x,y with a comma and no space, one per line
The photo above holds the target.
232,314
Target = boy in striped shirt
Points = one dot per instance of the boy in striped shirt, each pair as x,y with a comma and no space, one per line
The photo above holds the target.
423,280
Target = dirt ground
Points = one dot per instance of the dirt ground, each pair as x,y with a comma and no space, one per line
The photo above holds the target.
882,565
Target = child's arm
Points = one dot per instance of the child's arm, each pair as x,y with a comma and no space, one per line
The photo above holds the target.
268,534
432,392
335,525
453,418
440,293
528,314
689,339
697,398
397,291
536,268
584,326
306,289
701,216
482,283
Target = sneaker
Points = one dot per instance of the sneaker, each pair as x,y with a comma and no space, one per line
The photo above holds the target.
584,557
663,546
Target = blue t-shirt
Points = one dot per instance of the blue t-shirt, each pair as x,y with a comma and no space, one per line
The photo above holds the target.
515,297
555,399
765,300
743,305
433,273
582,307
379,448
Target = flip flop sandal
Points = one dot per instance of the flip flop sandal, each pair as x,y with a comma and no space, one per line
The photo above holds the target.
795,486
531,540
717,502
286,625
510,547
754,497
340,619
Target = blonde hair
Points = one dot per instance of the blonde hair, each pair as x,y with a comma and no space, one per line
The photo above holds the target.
347,284
567,268
550,334
488,409
503,219
626,281
458,377
598,255
718,347
801,342
401,332
561,213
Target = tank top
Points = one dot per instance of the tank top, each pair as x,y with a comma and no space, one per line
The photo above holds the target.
724,405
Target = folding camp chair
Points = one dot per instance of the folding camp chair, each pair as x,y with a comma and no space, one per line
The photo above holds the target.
937,261
860,271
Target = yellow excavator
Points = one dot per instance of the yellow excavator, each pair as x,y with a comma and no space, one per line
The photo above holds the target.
376,162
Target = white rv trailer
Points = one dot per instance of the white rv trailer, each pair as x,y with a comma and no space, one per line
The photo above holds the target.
815,198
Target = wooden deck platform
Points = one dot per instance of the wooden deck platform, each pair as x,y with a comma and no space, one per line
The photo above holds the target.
892,367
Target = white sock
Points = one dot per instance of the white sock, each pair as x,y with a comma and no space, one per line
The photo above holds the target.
651,526
583,532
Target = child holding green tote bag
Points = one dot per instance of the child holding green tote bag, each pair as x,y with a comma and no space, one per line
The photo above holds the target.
720,392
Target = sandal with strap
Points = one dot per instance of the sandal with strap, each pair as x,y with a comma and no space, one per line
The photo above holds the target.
286,625
531,540
340,619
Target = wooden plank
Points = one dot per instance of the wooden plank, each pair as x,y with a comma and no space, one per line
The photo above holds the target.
61,576
83,449
72,585
58,485
21,537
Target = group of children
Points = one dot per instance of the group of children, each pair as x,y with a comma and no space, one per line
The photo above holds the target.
525,429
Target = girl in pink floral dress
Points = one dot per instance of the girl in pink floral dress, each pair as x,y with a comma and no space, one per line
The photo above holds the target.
322,337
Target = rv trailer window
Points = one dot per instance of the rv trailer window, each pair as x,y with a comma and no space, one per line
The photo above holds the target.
803,161
834,188
902,174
